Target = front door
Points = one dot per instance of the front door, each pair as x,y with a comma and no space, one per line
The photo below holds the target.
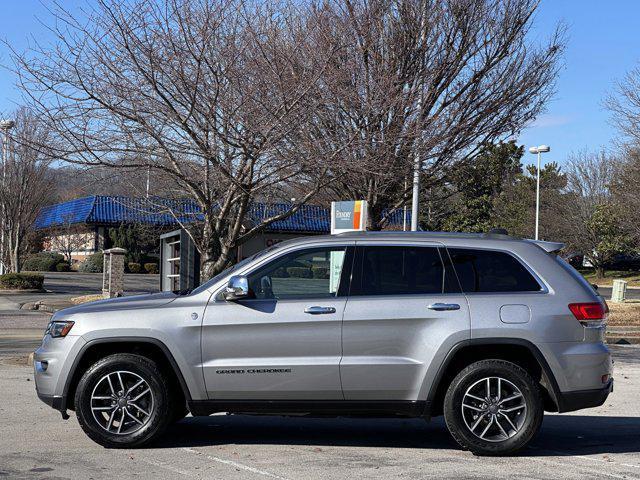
405,308
286,342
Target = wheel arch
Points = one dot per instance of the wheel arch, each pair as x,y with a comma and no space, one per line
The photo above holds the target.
99,348
516,350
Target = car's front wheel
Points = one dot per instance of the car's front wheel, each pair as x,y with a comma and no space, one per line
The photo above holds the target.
123,401
493,407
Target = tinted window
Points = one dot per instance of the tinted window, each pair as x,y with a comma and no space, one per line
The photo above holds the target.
489,271
400,271
311,273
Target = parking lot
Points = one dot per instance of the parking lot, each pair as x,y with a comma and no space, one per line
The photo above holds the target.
37,444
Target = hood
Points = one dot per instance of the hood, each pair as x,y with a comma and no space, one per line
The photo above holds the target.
122,303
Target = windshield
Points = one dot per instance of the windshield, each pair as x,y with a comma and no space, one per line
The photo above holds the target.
232,269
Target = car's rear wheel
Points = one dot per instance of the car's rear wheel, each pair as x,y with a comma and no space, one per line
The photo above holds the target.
493,407
123,401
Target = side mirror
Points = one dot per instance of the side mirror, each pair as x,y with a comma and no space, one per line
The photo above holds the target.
237,288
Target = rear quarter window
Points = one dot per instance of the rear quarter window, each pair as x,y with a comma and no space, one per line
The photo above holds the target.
491,271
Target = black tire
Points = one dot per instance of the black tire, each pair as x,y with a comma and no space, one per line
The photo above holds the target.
528,420
180,411
161,401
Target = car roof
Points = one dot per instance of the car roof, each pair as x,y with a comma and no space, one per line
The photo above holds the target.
451,238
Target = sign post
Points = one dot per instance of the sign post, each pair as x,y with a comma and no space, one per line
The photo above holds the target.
350,216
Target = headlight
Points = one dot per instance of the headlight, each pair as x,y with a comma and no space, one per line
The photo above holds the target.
58,328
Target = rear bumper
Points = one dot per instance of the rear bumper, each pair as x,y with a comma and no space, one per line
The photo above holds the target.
579,399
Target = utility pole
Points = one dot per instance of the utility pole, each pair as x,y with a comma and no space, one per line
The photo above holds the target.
5,126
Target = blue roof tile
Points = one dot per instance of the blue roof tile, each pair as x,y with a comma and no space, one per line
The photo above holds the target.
114,210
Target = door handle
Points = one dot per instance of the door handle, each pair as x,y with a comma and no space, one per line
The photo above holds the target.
440,307
315,310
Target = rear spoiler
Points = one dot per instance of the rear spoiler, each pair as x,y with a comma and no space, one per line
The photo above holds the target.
550,247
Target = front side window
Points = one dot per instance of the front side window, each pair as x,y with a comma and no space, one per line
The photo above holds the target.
311,273
491,271
394,270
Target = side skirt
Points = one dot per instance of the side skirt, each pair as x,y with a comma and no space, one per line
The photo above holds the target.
328,408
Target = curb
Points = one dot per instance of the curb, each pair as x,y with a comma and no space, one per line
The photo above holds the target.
623,340
632,287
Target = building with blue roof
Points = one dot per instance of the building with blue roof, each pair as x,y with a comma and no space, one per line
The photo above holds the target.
95,214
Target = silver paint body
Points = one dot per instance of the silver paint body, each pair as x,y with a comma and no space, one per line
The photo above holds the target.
371,348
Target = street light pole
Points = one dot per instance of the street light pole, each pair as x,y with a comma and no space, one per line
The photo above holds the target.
538,151
416,193
5,126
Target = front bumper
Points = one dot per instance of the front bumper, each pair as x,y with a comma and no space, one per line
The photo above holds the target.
579,399
51,367
57,403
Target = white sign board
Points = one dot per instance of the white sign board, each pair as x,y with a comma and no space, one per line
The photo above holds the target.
348,216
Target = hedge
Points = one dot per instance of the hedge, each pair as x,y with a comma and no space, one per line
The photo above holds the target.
93,264
151,267
280,272
21,281
63,267
42,262
299,272
134,267
320,272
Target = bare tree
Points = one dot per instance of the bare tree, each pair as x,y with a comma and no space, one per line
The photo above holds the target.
26,184
221,97
596,229
625,182
432,78
69,237
624,104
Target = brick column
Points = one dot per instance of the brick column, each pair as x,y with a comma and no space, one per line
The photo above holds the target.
113,273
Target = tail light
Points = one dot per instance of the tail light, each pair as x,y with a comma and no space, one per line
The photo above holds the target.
590,314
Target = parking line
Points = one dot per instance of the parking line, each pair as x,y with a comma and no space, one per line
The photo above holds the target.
564,464
231,463
585,457
166,467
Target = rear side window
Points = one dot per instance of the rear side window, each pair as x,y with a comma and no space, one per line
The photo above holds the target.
399,271
491,271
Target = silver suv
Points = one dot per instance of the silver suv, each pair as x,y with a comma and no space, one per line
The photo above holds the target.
486,329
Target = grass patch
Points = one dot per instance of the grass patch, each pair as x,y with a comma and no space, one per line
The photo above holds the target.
624,314
632,277
86,298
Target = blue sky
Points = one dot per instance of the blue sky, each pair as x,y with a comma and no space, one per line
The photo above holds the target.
603,45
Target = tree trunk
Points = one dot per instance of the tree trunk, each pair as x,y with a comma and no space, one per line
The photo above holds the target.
599,272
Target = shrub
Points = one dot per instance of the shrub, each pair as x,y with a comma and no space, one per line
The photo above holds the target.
42,262
134,267
151,267
93,264
320,272
63,267
299,272
280,272
21,281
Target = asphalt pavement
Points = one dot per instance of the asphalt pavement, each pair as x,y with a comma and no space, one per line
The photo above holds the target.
36,443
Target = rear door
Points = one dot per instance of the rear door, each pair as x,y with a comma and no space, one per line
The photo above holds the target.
405,311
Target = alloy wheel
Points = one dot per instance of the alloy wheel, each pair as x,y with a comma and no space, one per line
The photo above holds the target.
122,402
494,409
